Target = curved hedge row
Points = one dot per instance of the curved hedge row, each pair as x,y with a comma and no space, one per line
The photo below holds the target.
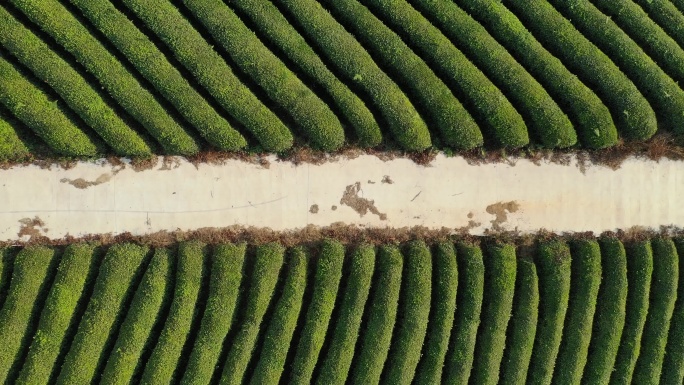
376,332
84,361
665,96
590,116
32,107
345,53
226,274
459,358
632,113
153,65
662,301
335,365
310,113
442,309
668,17
585,278
267,265
29,278
673,364
195,54
609,322
271,23
544,118
11,146
66,294
522,327
278,338
55,20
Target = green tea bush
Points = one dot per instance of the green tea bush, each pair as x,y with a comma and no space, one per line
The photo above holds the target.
277,30
523,325
554,267
679,4
335,365
6,264
11,146
57,314
639,277
80,96
161,365
586,279
665,96
267,264
610,319
212,72
153,65
632,113
55,20
343,51
310,113
668,17
442,309
673,364
29,277
84,361
376,332
278,338
325,287
34,108
224,285
546,121
459,358
484,99
499,279
590,116
661,306
413,316
139,321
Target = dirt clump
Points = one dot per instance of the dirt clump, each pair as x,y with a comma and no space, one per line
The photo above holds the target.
501,210
313,209
32,228
351,198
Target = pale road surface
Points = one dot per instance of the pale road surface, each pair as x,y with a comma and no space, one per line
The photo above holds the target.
448,193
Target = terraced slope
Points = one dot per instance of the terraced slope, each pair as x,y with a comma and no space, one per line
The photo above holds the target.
137,78
556,311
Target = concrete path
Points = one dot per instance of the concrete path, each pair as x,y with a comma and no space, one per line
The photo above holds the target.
100,198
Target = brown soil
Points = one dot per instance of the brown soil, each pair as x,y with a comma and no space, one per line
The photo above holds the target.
351,198
387,180
313,209
501,210
32,228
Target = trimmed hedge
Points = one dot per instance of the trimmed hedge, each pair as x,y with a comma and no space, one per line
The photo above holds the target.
442,109
277,30
161,365
544,118
81,97
412,320
639,272
376,332
590,116
650,37
32,107
484,100
11,146
610,320
459,358
522,327
267,265
278,338
335,365
665,96
315,119
325,287
586,279
140,319
673,364
442,309
554,267
661,306
668,17
55,20
153,65
226,275
29,278
212,72
499,279
66,294
632,113
343,51
83,364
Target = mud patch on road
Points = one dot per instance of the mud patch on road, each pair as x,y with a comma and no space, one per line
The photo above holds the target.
313,209
386,179
351,198
501,211
83,184
32,227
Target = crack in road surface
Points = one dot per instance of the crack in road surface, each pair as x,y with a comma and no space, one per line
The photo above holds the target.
351,198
